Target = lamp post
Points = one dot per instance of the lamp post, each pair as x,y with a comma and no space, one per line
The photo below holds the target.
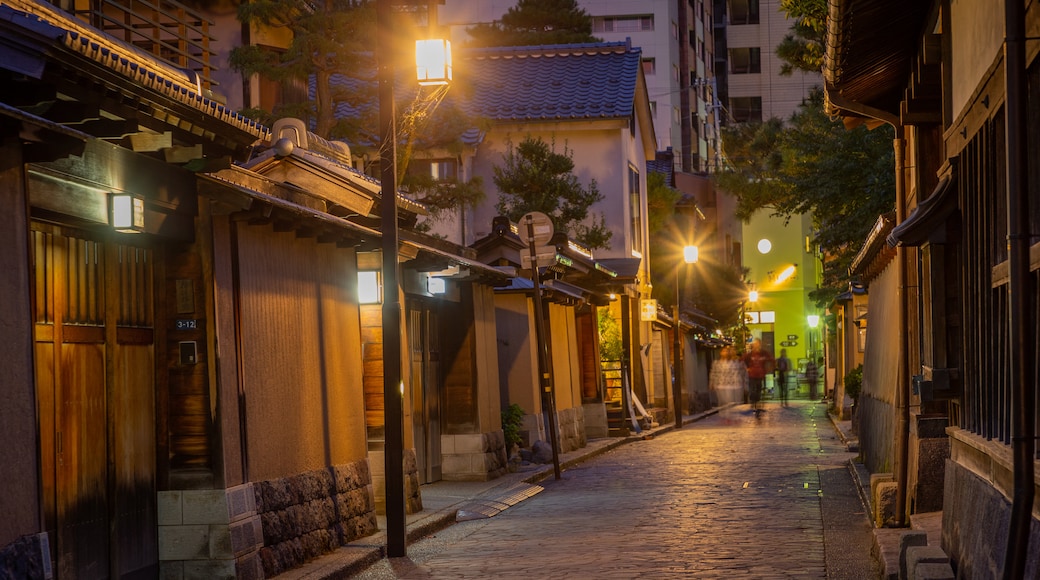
393,384
690,254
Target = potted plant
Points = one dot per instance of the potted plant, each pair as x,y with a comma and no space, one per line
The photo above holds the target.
512,420
853,384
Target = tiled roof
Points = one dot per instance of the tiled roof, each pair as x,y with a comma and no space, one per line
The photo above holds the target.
126,61
531,83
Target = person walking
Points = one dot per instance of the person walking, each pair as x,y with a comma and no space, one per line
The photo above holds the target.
783,367
728,380
812,374
759,363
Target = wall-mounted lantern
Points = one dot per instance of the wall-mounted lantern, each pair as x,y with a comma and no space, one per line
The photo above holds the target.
435,285
433,61
127,213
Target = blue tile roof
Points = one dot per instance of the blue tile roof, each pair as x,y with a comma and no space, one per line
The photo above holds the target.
531,83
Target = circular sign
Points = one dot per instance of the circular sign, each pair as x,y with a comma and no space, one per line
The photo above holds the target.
536,227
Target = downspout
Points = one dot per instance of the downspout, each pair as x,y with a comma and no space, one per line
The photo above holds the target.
236,292
902,439
1020,308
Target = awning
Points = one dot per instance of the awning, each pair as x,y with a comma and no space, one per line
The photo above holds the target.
927,223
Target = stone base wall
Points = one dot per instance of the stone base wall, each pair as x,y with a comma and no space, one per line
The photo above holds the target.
977,508
22,559
412,494
473,456
213,533
313,513
596,425
533,430
572,429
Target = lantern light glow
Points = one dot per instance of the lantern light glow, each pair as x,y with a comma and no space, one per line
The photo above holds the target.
433,62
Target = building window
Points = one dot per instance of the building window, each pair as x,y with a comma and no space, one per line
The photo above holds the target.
745,60
635,227
745,109
653,108
438,169
370,287
623,24
675,30
649,66
743,12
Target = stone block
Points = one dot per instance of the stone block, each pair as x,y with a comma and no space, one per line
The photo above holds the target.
169,508
241,501
919,556
210,570
220,542
929,571
183,542
465,444
885,504
204,506
171,570
246,535
908,540
877,479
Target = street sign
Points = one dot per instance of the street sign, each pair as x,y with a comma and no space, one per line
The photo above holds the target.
545,255
541,226
789,343
792,337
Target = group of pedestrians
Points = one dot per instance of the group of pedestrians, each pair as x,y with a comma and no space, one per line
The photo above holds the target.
736,379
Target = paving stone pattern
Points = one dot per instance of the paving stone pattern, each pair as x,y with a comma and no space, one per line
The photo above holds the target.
732,496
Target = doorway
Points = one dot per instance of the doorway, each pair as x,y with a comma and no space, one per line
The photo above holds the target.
424,350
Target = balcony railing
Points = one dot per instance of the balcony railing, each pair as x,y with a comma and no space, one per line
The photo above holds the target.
165,28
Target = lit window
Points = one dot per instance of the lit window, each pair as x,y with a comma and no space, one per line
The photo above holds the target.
768,316
369,287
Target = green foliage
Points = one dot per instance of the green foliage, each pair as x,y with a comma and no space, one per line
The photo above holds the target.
660,202
803,48
854,382
812,164
535,22
610,345
328,37
512,420
534,177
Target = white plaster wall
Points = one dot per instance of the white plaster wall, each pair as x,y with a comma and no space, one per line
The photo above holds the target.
979,30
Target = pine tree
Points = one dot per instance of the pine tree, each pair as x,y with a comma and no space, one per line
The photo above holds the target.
534,177
536,22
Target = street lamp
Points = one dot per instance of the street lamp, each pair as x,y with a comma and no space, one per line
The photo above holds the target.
690,254
432,72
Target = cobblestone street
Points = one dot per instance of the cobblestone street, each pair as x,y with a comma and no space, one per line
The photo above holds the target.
732,496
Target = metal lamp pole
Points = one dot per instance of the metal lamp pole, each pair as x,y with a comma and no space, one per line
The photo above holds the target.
690,254
393,386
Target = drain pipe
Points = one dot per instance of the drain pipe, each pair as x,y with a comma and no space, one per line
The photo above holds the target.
1020,307
902,437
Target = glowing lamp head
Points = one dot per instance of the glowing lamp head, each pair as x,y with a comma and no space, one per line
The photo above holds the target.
433,62
690,254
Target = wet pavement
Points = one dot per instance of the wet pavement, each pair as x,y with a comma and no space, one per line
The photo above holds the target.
732,494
